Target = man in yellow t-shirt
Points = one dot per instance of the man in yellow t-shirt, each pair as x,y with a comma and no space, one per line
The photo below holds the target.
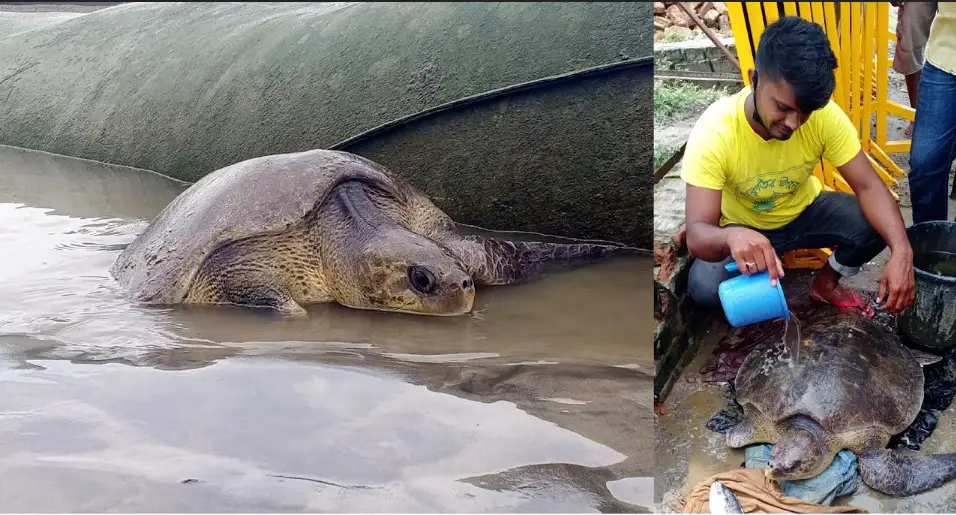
751,193
934,130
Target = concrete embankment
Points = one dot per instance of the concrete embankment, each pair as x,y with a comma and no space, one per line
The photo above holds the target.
438,92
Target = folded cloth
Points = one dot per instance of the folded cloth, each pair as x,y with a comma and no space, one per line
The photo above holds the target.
756,493
839,479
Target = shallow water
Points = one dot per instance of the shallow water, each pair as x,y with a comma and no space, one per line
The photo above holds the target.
938,262
539,402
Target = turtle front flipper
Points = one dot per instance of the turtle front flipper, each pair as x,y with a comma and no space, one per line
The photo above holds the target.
741,426
271,298
246,292
494,262
895,474
741,435
268,272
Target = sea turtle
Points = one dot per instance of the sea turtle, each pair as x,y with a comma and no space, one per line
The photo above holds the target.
281,231
853,387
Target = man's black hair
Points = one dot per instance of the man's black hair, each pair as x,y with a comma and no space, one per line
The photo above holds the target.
798,52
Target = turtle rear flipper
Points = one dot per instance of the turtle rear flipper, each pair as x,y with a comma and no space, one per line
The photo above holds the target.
496,262
895,474
925,358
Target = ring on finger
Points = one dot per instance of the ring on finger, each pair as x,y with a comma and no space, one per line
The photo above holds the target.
749,265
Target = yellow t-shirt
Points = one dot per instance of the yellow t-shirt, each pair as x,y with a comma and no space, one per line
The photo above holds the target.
765,184
941,45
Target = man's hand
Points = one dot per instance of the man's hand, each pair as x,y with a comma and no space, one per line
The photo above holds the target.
753,252
708,241
898,284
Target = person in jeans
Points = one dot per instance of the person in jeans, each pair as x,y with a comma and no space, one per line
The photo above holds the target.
934,130
751,192
913,22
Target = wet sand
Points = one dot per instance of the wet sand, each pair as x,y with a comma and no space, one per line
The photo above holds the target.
539,402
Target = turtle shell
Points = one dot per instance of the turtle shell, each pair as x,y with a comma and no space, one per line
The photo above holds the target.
852,374
258,196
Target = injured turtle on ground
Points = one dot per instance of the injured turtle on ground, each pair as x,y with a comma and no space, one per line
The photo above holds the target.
854,387
283,231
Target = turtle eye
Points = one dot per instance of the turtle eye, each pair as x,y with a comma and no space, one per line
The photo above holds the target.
422,279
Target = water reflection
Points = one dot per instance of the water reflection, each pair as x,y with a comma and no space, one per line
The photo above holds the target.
538,403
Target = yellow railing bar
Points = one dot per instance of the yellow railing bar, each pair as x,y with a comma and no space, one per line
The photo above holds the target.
817,9
877,150
770,12
900,110
832,35
741,39
844,58
867,113
882,74
855,69
755,16
898,146
805,10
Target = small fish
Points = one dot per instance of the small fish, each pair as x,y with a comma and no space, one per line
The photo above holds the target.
722,500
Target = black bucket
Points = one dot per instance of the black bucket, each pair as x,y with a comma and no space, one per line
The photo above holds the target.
931,321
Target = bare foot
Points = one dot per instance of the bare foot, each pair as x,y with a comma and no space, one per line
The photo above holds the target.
826,288
909,131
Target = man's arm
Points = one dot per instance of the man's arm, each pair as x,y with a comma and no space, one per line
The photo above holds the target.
710,242
842,149
705,239
877,203
897,285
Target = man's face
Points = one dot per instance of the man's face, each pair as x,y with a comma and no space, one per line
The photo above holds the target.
777,107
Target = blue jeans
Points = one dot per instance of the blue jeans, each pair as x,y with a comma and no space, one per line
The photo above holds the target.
934,144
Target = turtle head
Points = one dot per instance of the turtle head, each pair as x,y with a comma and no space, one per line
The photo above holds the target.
406,272
370,261
801,452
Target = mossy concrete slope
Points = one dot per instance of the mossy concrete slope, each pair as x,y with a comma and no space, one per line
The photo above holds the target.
184,89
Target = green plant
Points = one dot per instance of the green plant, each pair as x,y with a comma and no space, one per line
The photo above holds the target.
673,97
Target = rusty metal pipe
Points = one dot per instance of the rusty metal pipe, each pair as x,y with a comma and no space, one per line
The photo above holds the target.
710,34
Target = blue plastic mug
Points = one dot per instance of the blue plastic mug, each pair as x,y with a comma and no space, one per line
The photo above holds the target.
748,299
